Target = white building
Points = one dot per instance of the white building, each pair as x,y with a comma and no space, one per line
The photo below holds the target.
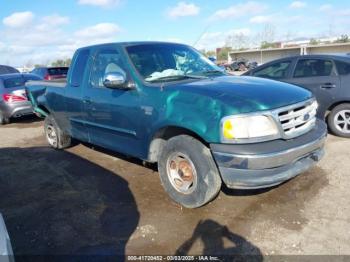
266,55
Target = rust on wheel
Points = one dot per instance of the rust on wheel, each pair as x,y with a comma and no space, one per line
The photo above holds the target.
181,173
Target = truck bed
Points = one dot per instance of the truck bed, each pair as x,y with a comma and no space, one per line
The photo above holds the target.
38,91
56,83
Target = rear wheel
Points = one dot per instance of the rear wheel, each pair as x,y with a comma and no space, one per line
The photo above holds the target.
188,172
57,138
3,120
339,120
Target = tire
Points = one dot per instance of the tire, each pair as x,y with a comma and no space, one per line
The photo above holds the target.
188,172
4,120
339,120
56,137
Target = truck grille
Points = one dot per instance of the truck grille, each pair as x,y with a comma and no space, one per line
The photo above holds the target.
298,119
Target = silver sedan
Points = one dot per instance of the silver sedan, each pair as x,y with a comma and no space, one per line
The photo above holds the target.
13,99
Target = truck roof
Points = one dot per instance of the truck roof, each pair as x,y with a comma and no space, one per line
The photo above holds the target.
124,44
14,75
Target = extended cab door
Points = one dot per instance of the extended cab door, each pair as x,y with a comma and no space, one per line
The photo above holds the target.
112,114
319,76
75,113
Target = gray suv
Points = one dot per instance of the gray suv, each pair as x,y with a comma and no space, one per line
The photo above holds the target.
326,76
13,99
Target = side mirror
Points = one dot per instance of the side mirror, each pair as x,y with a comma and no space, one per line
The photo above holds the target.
114,80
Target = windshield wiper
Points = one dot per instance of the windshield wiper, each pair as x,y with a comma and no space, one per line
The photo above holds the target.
214,71
176,77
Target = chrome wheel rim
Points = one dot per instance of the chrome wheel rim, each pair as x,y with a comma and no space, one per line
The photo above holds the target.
51,135
342,121
181,173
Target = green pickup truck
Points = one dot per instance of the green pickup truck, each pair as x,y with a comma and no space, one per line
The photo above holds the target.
166,103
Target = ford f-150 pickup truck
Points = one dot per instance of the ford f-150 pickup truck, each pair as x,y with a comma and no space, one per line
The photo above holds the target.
166,103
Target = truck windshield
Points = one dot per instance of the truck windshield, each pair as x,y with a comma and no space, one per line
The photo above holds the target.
170,62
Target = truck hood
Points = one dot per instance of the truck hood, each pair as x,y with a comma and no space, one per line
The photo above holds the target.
246,94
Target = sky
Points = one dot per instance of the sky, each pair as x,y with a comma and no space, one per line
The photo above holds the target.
41,31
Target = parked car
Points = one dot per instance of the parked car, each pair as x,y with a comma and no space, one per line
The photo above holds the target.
213,59
327,76
6,253
236,66
7,70
13,99
241,65
252,65
50,73
166,103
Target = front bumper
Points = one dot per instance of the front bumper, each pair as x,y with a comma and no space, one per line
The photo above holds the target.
16,109
266,164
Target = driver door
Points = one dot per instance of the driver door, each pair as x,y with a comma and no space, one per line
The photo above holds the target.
318,76
111,113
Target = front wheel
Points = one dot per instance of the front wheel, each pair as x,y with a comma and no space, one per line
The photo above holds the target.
188,172
339,120
56,137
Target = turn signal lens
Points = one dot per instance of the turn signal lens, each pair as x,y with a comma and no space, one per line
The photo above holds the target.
228,130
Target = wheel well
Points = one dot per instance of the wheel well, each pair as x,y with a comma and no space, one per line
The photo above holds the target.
44,109
164,134
334,105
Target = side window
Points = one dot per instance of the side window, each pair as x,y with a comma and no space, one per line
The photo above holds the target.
106,61
313,67
79,67
343,68
275,71
14,82
41,72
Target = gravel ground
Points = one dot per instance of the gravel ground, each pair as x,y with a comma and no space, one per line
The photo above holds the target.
83,201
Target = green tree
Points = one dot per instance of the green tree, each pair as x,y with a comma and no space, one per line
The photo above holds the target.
343,39
210,53
314,41
266,45
62,62
223,53
39,65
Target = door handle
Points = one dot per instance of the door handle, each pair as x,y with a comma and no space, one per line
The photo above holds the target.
328,85
86,100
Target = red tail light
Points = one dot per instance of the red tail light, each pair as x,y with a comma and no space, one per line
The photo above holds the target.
13,98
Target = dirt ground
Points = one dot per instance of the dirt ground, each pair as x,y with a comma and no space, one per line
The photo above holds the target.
83,201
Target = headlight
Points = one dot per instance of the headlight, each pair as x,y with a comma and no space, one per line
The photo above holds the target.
248,127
